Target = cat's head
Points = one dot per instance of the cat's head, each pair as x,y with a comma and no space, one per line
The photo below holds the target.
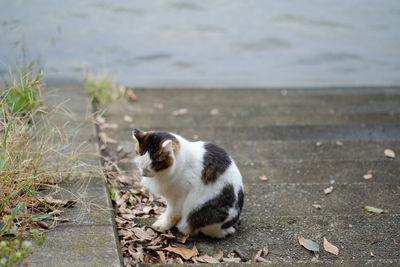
155,151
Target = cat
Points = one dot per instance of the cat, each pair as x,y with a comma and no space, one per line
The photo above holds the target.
200,182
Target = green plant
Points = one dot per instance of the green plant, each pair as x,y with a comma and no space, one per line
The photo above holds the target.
22,93
103,88
14,251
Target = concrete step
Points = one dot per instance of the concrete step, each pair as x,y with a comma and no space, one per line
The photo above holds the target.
356,236
278,133
263,199
255,118
312,171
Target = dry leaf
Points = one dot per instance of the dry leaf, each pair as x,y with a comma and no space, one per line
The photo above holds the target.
318,144
265,251
372,254
183,252
367,176
100,119
159,106
317,206
263,178
56,212
109,126
131,94
330,247
128,118
339,143
59,202
374,210
389,153
181,111
328,190
162,257
256,255
219,255
105,139
214,112
232,260
308,244
182,240
141,234
42,224
206,259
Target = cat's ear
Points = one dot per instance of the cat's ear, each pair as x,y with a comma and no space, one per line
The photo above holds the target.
138,135
167,145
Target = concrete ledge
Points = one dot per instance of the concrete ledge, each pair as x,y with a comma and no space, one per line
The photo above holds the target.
90,239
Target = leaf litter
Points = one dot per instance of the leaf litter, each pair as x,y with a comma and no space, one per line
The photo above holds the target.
374,210
309,245
328,190
389,153
329,247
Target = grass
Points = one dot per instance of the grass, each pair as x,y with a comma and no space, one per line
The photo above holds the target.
102,87
22,93
36,154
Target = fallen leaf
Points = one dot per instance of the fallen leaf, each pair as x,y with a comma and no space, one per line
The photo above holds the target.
105,139
131,94
162,257
263,178
372,254
109,126
328,190
256,255
42,224
232,260
182,240
181,111
214,112
367,176
308,244
141,234
219,255
389,153
317,206
374,210
100,119
183,252
56,212
206,259
318,144
59,202
265,251
128,118
330,247
159,106
339,143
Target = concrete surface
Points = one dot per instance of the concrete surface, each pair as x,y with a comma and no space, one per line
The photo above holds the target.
274,133
89,239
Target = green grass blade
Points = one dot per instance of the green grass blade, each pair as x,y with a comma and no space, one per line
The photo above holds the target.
3,158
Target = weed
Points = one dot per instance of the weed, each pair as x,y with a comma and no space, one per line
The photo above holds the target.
36,154
22,95
103,88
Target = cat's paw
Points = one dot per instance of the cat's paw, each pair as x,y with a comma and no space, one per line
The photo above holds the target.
163,224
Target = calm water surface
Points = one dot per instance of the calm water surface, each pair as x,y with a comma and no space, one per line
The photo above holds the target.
209,43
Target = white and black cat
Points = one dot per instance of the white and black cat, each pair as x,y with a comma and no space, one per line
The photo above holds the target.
200,182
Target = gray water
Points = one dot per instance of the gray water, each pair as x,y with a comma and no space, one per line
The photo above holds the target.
208,43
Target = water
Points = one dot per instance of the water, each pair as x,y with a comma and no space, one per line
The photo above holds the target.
209,43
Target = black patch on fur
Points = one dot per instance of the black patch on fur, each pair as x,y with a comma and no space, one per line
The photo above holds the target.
239,205
152,143
215,163
215,210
